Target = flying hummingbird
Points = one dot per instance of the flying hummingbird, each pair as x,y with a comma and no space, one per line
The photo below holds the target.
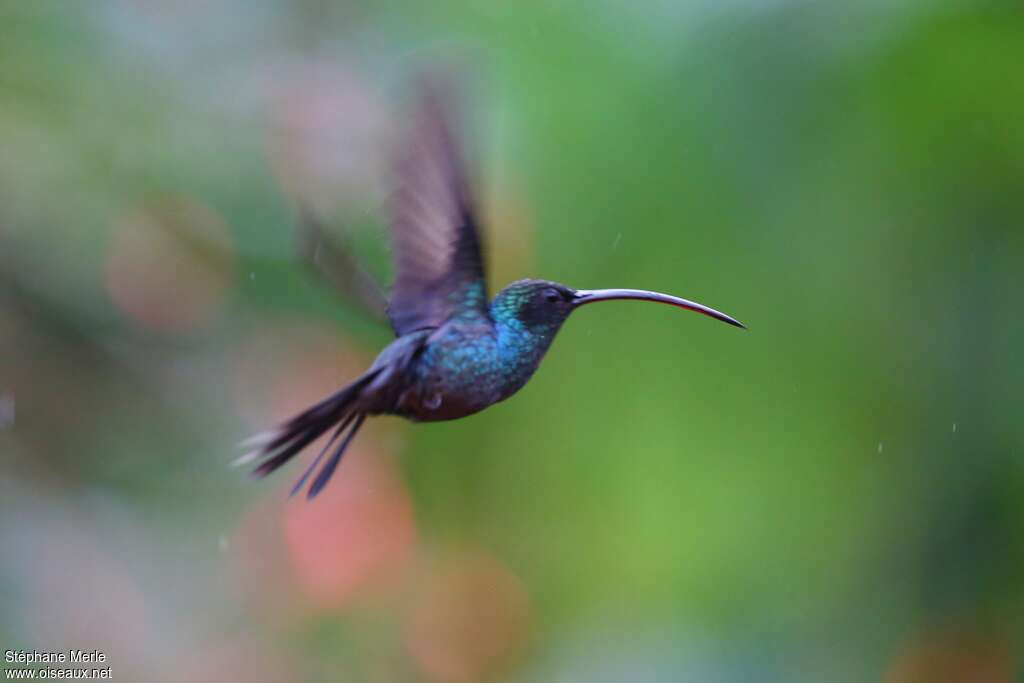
457,351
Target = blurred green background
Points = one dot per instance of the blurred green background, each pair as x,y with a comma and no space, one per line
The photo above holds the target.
835,495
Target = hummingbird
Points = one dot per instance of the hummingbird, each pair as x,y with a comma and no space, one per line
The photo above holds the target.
456,350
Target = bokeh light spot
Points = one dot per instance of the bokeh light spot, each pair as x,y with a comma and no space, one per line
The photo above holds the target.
358,535
170,265
470,615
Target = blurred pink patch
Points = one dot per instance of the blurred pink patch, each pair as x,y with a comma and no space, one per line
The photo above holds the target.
469,617
237,660
326,135
170,265
358,535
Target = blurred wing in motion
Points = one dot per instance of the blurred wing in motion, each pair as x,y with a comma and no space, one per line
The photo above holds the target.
334,261
439,271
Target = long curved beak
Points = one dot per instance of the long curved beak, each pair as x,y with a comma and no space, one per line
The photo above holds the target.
589,296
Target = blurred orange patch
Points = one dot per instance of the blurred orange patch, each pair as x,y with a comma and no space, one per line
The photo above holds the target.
469,617
955,655
359,534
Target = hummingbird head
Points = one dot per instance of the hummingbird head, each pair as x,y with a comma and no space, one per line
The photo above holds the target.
541,306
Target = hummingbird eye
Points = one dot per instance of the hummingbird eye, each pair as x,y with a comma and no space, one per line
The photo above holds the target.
552,295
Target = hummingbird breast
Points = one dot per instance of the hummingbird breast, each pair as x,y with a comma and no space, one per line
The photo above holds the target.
463,368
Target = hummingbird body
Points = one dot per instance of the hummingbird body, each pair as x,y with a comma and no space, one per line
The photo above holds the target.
455,353
467,364
458,373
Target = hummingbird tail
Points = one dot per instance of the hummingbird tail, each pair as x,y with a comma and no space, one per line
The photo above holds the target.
340,410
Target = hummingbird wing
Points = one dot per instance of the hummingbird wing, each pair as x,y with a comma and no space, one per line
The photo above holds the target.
335,262
438,263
